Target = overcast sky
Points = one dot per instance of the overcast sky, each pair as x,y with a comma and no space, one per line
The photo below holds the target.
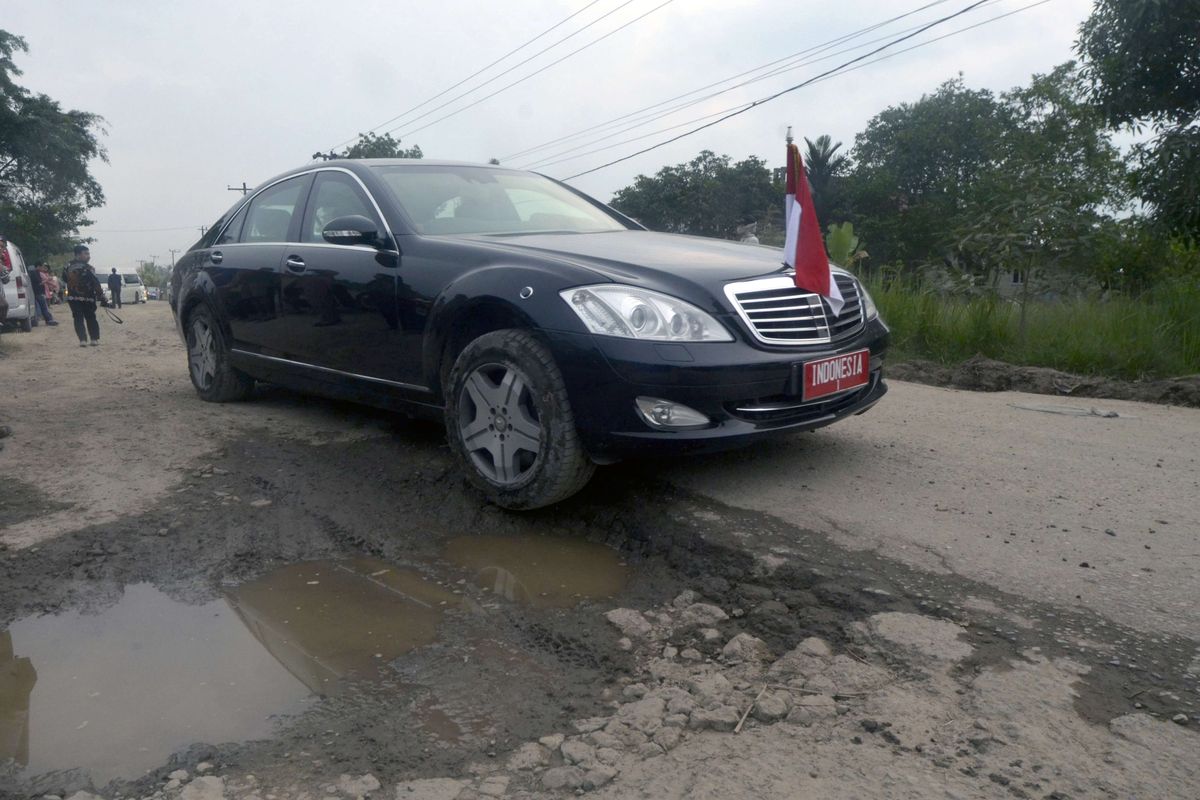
198,96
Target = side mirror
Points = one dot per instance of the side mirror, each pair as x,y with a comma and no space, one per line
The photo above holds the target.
352,229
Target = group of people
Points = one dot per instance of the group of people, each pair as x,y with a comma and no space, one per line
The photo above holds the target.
83,291
45,289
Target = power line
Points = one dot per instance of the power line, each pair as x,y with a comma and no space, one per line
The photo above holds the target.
482,70
815,48
790,89
145,230
530,75
507,71
547,162
791,66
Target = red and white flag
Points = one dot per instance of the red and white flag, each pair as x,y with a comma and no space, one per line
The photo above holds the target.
804,249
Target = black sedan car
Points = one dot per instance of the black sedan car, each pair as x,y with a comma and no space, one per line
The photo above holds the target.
550,332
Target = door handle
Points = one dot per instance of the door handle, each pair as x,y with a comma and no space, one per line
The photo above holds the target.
216,257
295,263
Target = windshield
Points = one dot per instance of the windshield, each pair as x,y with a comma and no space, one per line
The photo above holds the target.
132,279
453,199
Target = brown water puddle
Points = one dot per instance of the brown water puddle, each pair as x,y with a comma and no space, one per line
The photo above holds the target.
116,692
329,622
539,571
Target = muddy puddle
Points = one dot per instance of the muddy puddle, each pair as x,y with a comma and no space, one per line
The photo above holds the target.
114,693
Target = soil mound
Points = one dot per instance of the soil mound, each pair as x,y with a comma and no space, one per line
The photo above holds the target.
988,375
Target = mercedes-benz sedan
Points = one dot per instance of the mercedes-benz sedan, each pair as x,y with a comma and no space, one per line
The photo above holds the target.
549,332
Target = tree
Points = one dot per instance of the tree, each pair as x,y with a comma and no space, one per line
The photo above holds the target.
153,274
46,186
371,145
963,165
707,196
1142,64
917,167
824,168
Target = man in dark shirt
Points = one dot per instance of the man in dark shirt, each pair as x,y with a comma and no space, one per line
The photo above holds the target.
39,296
114,286
83,292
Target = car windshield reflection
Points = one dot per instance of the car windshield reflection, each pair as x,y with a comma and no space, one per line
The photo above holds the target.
455,200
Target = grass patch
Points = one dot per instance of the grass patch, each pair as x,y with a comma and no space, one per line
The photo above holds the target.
1156,335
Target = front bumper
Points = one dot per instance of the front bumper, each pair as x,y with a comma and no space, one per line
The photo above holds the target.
748,392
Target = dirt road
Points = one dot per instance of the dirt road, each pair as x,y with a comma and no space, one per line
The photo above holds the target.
957,594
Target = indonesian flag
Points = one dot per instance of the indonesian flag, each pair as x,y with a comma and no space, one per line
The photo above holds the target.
804,249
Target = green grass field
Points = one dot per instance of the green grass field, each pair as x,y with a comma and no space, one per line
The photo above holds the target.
1156,335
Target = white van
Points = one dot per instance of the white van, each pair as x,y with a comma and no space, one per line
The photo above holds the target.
18,292
132,288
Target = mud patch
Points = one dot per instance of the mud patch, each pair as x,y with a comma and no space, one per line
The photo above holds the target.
988,375
21,501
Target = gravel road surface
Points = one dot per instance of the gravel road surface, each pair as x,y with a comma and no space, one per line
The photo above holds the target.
955,595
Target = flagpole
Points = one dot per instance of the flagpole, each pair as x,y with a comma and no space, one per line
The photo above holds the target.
789,134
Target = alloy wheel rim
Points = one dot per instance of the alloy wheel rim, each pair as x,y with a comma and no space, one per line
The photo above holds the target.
500,424
203,354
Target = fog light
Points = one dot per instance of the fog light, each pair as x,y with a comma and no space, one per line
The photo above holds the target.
662,414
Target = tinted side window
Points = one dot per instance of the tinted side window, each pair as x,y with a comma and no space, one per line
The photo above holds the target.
270,214
334,194
234,229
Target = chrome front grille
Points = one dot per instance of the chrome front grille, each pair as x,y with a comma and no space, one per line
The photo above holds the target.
779,313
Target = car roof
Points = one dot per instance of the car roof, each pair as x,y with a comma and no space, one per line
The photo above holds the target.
364,164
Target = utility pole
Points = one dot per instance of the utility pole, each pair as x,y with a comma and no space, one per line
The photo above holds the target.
173,251
244,189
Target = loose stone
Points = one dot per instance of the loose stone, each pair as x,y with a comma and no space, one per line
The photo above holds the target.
721,718
630,622
563,778
576,752
531,756
745,648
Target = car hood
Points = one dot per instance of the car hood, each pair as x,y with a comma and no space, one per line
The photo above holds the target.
664,261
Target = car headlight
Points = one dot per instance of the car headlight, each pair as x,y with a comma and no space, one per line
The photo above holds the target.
616,310
869,309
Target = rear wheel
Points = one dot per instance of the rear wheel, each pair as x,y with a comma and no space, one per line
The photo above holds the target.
509,421
213,376
26,325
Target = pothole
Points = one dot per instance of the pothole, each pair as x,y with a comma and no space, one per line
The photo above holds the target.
112,694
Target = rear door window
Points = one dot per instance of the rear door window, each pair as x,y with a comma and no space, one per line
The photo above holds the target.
270,216
234,229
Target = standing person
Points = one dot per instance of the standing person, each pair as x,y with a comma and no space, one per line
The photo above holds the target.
114,286
37,284
83,292
51,283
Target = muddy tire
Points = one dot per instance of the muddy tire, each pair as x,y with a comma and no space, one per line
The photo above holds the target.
509,422
212,374
26,325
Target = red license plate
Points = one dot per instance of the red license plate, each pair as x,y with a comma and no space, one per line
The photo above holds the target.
836,374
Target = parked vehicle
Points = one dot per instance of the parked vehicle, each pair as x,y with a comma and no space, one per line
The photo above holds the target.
549,332
18,292
132,288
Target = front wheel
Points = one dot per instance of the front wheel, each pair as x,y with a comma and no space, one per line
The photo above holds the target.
213,376
509,422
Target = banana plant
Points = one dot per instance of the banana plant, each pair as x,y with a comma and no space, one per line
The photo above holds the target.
842,245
